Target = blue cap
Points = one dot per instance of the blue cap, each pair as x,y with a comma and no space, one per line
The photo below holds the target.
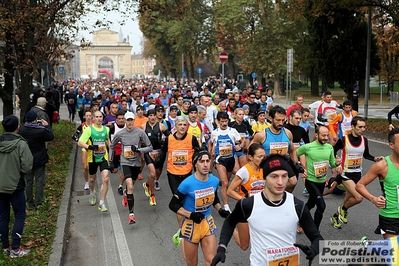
245,106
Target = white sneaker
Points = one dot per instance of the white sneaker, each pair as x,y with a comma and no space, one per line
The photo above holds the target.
87,186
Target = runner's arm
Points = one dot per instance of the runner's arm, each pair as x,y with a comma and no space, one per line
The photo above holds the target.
232,188
366,153
176,205
395,110
338,145
148,146
376,170
333,122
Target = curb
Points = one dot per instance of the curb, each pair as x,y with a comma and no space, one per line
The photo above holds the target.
58,247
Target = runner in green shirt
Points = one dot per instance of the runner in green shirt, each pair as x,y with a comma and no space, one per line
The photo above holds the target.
315,158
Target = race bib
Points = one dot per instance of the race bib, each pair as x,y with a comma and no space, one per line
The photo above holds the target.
278,148
331,116
225,149
288,256
354,160
243,136
87,106
296,145
347,132
204,199
71,101
102,149
154,154
128,153
320,169
179,157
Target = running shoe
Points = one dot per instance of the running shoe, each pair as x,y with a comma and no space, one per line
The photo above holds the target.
140,177
16,253
146,190
6,251
87,187
102,208
305,192
176,238
157,186
334,219
124,200
92,199
299,229
132,219
343,215
120,190
152,201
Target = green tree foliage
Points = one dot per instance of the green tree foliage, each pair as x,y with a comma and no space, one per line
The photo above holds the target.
256,34
176,27
38,31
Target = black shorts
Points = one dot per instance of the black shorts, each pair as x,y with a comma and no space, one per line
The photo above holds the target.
149,160
387,225
116,161
355,177
94,166
175,180
226,162
130,172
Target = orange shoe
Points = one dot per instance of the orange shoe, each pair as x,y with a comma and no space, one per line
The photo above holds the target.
124,200
132,219
140,177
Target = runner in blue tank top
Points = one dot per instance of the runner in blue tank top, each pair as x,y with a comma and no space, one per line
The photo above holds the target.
278,140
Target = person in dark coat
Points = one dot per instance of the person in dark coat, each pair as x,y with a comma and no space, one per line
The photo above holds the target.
37,134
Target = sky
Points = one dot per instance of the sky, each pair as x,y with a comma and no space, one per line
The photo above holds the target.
130,28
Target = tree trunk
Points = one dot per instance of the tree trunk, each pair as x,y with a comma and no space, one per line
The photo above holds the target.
7,93
26,90
314,83
191,61
277,86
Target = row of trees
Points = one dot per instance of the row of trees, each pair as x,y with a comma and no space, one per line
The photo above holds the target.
328,36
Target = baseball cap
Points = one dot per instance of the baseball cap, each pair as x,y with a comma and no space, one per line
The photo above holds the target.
129,115
139,107
162,90
261,111
173,107
150,97
186,100
159,107
41,101
245,106
151,112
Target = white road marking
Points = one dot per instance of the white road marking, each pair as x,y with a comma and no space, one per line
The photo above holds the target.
120,238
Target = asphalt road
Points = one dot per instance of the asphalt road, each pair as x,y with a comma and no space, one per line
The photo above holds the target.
106,239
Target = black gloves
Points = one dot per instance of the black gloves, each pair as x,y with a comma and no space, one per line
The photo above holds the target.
111,166
299,167
197,217
309,251
134,148
223,213
93,147
220,255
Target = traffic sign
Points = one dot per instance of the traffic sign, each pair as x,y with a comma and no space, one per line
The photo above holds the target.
253,75
223,56
61,69
199,70
184,73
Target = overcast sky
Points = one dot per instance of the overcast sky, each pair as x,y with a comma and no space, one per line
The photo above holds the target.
130,28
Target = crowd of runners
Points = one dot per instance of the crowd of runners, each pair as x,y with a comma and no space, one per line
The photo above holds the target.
220,142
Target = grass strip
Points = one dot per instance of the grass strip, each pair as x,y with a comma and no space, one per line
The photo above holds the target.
41,223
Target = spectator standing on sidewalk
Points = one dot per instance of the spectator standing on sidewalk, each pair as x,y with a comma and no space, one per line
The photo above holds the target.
15,161
36,133
40,109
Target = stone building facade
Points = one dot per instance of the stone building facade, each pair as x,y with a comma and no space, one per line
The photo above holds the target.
108,55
